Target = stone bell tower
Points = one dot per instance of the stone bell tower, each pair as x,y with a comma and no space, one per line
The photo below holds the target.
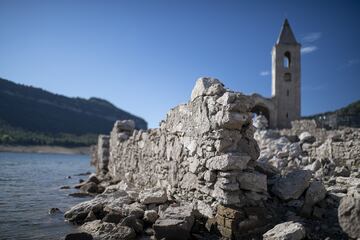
286,83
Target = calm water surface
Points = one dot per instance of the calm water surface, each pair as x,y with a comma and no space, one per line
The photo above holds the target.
29,186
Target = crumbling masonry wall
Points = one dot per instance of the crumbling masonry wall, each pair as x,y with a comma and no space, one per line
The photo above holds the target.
204,150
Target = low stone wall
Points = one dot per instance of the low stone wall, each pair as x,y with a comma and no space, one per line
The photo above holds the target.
204,150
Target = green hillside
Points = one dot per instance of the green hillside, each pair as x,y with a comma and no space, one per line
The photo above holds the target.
32,116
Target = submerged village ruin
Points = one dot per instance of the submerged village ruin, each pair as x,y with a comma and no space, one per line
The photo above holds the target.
212,171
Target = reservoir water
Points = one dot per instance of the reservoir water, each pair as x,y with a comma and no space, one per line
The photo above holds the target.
30,186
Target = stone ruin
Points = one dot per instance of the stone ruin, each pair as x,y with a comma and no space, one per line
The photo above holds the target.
199,170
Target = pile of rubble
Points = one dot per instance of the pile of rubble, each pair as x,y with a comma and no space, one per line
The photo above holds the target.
202,175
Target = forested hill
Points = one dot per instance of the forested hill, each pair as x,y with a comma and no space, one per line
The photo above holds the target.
35,111
348,116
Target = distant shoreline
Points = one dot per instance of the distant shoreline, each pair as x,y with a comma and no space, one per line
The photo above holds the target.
45,149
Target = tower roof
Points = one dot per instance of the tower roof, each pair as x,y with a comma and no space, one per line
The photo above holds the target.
286,35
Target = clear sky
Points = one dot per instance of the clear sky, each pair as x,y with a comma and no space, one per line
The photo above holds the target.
144,56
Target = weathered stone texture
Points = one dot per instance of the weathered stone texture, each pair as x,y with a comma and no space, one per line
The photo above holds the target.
349,215
200,151
286,231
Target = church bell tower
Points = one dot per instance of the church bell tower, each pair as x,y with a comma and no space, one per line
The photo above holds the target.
286,83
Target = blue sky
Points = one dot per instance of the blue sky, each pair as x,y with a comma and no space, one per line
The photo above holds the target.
144,56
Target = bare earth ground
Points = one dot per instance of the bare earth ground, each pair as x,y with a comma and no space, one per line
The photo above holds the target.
45,149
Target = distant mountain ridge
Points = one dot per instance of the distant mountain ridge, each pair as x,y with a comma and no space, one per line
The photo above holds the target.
36,110
348,116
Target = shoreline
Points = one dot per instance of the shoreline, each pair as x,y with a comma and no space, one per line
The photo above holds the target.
45,149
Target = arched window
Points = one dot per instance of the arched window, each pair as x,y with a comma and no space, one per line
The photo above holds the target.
287,77
287,60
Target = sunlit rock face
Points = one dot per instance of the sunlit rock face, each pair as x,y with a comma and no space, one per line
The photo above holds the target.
203,150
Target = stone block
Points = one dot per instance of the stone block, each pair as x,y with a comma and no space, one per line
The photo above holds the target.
228,162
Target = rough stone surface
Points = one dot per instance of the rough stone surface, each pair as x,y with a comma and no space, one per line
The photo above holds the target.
286,231
315,193
175,223
252,181
206,86
292,185
79,212
89,187
108,231
149,196
349,216
150,216
210,135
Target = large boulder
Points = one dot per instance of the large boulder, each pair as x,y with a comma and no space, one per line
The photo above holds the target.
286,231
108,231
79,212
292,185
175,223
349,216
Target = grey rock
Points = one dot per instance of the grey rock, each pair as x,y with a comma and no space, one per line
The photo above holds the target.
136,209
307,137
150,216
267,169
228,162
252,181
124,125
316,165
349,216
90,217
54,211
205,209
79,212
292,185
93,178
133,222
175,223
108,231
149,196
89,187
260,122
286,231
207,86
315,193
341,171
113,217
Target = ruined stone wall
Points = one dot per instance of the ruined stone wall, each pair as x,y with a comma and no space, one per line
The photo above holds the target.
338,145
203,150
